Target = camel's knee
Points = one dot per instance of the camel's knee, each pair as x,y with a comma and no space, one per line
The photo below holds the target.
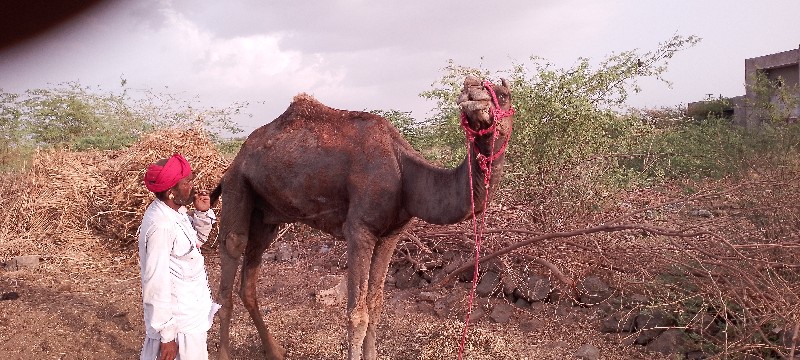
359,318
248,296
234,244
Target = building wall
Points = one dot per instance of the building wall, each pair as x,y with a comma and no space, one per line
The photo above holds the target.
784,64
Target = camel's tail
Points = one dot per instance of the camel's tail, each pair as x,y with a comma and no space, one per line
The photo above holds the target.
216,194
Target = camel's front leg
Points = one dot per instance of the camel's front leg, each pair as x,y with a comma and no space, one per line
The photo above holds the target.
360,245
377,277
230,251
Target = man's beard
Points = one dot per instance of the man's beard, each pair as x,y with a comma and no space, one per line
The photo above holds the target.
185,202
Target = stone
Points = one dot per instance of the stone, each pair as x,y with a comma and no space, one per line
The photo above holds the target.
336,295
428,296
478,313
522,303
23,262
12,295
593,290
638,299
443,306
587,352
407,278
284,253
531,325
651,324
536,288
489,284
620,321
501,313
671,341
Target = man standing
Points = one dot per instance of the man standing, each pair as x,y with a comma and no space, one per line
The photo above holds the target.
177,300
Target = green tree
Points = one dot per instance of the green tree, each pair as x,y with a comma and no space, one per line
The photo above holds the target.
567,121
79,117
12,132
404,123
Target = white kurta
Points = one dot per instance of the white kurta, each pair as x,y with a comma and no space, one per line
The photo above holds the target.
175,290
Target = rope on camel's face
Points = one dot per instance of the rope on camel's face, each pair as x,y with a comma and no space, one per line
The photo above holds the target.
496,114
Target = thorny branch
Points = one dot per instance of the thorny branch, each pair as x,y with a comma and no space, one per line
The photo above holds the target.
738,264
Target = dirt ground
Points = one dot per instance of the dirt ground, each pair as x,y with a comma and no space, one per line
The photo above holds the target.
88,306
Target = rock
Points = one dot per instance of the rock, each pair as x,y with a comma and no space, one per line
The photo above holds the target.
428,296
538,307
23,262
407,278
489,284
390,281
702,213
638,299
536,288
593,290
336,295
501,313
651,324
696,355
671,341
443,307
705,324
477,314
522,303
284,253
12,295
587,352
531,325
620,321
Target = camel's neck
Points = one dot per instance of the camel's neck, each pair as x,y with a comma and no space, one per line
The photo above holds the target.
443,196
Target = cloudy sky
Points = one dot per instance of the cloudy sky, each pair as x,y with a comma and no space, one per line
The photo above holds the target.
364,55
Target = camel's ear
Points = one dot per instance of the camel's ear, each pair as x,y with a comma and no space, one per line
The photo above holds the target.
505,84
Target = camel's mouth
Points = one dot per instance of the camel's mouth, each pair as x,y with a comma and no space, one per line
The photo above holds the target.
482,105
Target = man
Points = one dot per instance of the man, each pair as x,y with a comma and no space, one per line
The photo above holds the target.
177,300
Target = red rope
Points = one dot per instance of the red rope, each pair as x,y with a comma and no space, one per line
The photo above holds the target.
486,165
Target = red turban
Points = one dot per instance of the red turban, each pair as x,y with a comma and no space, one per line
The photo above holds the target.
162,178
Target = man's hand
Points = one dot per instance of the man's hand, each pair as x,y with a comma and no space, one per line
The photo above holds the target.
168,351
202,201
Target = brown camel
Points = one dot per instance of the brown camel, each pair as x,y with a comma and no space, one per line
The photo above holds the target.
350,174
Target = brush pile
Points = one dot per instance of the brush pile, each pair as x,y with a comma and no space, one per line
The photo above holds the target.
83,199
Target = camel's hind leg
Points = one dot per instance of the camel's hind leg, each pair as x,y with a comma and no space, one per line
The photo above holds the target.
381,257
261,237
360,245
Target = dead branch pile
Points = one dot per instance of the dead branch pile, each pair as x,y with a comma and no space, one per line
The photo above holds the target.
724,260
84,199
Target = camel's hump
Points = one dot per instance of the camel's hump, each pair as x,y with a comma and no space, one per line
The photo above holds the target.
303,97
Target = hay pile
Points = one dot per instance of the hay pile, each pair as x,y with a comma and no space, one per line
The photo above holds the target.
80,200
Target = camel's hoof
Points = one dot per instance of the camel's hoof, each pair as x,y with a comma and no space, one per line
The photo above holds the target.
276,352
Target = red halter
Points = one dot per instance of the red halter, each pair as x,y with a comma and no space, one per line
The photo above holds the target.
497,113
486,165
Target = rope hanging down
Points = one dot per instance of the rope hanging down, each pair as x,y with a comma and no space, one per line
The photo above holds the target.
485,163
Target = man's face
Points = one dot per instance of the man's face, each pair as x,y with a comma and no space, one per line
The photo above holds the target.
184,191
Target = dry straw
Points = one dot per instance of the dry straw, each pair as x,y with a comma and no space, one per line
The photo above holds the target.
80,200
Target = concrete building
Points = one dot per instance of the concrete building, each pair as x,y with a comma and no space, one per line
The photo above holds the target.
777,98
783,72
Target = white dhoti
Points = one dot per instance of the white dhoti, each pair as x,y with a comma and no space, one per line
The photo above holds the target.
190,347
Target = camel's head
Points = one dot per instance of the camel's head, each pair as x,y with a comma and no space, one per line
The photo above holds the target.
481,110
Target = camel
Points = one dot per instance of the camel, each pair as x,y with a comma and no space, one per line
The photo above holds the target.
352,175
